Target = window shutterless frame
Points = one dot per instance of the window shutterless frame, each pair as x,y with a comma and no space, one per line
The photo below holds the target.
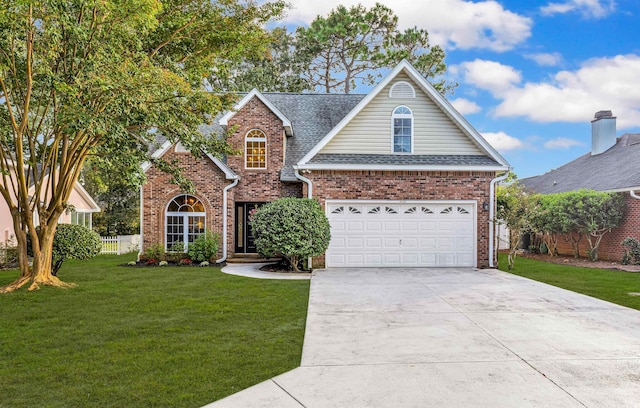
255,150
185,220
402,130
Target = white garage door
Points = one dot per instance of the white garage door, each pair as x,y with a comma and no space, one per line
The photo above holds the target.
392,234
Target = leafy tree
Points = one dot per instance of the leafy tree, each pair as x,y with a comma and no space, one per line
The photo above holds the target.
294,228
514,208
114,190
352,44
596,214
277,70
105,77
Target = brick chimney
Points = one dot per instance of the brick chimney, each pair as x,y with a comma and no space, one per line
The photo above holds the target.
603,132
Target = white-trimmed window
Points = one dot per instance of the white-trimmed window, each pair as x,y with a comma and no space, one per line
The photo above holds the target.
255,150
185,220
402,125
81,218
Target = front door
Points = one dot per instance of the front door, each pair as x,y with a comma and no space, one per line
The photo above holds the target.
244,236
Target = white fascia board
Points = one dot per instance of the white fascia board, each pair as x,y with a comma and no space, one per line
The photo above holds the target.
391,167
622,190
85,194
229,174
158,153
430,90
286,123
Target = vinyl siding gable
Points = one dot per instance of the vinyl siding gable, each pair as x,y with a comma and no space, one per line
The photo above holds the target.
434,133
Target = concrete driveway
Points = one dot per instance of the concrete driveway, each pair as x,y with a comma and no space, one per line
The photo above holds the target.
455,338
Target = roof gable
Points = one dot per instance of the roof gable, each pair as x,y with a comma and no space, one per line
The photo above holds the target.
405,71
286,123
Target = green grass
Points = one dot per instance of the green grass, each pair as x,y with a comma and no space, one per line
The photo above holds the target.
610,285
145,337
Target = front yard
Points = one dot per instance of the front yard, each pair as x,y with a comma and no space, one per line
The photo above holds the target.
611,285
152,337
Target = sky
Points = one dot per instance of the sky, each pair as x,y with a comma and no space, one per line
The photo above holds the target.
531,74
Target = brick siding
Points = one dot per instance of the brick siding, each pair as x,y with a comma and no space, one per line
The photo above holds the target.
255,185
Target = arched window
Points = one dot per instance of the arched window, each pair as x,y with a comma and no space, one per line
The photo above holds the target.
255,150
402,123
185,221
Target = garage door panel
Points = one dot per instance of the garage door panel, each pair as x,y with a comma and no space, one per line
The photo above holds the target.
410,243
374,242
392,226
374,226
392,234
355,242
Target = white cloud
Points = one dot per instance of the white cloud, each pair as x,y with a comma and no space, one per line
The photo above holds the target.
545,59
451,23
588,8
574,96
488,75
562,143
465,106
502,141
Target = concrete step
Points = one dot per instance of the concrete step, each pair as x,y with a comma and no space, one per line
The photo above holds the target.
251,258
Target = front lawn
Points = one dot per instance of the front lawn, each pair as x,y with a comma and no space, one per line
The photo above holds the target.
610,285
145,337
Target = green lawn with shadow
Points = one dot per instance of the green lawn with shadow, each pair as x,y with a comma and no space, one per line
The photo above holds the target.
606,284
145,337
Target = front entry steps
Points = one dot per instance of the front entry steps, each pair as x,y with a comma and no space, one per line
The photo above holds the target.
251,258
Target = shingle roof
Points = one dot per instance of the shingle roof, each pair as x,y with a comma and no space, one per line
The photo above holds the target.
616,169
417,159
312,116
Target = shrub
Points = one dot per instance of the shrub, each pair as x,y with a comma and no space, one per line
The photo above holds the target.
204,247
185,261
204,263
632,251
163,263
154,251
131,263
74,242
294,228
152,261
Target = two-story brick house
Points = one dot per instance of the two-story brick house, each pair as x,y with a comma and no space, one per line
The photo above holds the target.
403,177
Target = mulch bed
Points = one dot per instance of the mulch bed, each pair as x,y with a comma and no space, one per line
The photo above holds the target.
581,262
281,267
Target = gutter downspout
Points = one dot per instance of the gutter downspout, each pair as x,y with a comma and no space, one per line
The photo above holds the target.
306,180
224,219
634,195
141,228
492,210
309,195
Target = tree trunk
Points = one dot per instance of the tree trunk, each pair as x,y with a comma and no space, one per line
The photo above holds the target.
23,258
42,269
293,261
41,272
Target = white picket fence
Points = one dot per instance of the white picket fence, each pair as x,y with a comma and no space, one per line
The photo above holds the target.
120,244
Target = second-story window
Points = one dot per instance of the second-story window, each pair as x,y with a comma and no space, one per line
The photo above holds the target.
255,150
402,123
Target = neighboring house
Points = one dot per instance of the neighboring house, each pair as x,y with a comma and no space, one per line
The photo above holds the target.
83,208
613,165
403,178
